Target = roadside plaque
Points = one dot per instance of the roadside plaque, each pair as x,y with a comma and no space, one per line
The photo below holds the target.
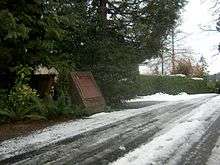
86,92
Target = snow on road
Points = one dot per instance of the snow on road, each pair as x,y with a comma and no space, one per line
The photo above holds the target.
163,145
214,159
69,129
166,97
168,147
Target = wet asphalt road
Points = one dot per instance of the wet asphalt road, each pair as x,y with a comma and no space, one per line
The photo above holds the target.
108,143
201,151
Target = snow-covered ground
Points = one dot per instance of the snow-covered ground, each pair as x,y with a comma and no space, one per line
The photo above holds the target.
214,159
166,97
177,136
177,140
69,129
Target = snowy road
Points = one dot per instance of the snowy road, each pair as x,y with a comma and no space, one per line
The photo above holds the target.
185,131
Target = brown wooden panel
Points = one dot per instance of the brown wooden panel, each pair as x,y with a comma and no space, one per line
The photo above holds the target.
88,91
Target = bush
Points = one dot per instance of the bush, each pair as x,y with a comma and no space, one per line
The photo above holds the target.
19,104
172,85
184,66
3,102
22,102
215,85
212,85
116,91
63,107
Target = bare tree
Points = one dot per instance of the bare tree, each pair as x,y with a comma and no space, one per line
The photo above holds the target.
174,48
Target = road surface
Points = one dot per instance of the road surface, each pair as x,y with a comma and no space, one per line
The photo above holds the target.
180,132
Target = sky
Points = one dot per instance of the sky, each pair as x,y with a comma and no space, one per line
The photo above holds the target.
197,14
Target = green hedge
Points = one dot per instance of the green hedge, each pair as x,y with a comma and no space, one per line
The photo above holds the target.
172,85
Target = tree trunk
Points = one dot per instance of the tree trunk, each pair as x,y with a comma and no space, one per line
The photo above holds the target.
173,52
103,8
162,64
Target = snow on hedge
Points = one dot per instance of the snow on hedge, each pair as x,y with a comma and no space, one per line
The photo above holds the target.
166,97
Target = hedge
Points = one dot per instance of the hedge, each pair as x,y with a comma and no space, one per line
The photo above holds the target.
172,85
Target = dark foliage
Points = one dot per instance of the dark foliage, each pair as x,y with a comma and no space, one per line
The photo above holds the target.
109,38
172,85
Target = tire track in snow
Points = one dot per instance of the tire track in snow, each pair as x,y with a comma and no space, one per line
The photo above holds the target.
169,147
86,148
201,151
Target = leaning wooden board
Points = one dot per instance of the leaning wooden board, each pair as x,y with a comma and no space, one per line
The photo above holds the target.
86,92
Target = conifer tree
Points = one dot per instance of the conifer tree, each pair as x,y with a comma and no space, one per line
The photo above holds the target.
108,37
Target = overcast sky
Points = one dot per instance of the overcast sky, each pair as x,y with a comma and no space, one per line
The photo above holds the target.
198,13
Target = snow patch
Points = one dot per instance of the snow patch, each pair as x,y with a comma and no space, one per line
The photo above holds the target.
98,114
122,148
166,97
177,75
197,78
